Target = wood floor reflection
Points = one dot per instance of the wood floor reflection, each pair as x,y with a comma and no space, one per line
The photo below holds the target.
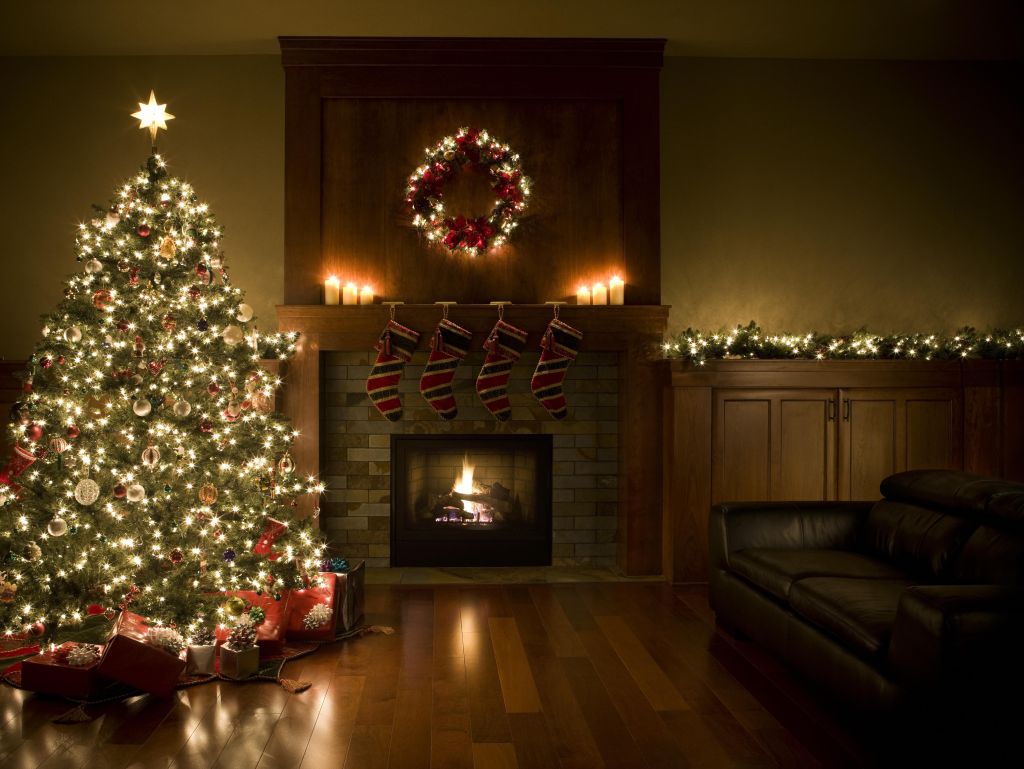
577,676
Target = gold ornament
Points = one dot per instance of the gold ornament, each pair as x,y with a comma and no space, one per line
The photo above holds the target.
87,491
182,408
136,492
168,250
207,493
59,445
72,334
262,402
57,527
32,551
142,407
151,456
233,607
8,590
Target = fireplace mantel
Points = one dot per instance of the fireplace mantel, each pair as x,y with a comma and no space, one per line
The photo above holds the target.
633,331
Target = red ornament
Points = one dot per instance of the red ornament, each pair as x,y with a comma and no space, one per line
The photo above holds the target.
193,293
246,405
133,276
143,230
101,298
206,426
120,491
122,325
94,609
34,432
156,366
73,432
271,531
213,388
203,273
177,557
46,363
60,360
27,386
37,629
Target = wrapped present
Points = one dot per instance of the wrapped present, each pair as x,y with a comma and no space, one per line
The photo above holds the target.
199,660
132,660
70,671
312,615
350,597
270,633
239,663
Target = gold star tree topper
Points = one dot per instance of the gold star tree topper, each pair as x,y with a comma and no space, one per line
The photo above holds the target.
152,116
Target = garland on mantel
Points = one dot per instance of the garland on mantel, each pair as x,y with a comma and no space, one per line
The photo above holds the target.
751,342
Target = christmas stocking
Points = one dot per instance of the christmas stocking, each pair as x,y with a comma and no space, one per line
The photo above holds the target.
449,345
394,350
272,529
504,346
559,347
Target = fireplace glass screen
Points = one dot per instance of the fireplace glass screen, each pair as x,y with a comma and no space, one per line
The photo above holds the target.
471,500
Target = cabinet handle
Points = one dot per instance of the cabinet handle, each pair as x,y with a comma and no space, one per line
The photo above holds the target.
846,409
831,410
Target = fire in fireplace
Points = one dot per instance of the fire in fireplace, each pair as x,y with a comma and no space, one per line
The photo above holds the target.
470,500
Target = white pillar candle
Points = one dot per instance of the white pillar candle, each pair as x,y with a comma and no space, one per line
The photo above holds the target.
366,295
582,295
616,291
331,287
350,294
599,294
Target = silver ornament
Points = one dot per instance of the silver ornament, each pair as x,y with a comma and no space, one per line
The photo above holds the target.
182,408
244,314
142,407
136,492
94,266
72,334
57,527
232,335
87,491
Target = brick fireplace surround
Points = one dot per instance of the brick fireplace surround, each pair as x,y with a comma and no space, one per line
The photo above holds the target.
606,465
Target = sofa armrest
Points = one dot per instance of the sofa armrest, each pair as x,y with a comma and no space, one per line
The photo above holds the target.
958,635
739,525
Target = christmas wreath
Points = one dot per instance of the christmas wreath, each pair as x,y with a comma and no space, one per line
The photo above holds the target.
469,148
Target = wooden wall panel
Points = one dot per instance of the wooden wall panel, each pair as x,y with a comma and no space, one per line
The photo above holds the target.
571,232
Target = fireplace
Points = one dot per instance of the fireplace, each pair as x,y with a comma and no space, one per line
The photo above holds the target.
471,500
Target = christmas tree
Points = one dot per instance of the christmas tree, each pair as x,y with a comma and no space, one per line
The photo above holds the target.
150,470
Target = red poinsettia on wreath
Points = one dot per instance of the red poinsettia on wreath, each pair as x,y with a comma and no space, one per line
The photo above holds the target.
477,149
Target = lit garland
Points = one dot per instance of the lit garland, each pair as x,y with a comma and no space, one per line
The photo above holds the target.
149,457
751,342
425,193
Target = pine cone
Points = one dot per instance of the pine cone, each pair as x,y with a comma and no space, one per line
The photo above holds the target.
203,636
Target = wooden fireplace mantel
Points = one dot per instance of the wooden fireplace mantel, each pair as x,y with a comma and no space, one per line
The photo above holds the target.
633,331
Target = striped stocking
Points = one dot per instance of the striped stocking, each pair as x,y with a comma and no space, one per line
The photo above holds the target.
448,346
394,350
559,347
504,345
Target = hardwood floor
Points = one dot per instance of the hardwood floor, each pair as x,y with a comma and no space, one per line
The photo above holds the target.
484,677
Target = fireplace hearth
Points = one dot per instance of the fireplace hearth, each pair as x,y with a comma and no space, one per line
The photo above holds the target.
471,500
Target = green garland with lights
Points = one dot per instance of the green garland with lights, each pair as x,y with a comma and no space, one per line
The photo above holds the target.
751,342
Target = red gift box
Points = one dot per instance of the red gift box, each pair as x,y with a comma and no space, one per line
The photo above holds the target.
50,673
301,601
132,661
269,633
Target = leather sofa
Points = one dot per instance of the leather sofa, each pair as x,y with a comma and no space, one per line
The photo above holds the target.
917,599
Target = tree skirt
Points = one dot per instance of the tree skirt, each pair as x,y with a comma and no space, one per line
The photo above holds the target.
271,669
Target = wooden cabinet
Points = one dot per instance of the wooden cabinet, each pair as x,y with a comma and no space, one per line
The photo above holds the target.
823,430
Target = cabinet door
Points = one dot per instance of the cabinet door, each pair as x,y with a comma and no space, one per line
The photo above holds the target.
887,431
773,445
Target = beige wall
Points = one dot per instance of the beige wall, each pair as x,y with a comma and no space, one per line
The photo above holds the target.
822,194
67,140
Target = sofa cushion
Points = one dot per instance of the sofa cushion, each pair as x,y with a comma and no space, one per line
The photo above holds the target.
991,556
859,613
775,569
920,540
951,490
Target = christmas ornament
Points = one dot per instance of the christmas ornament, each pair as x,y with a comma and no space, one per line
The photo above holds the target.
133,276
213,388
120,491
504,345
168,322
182,408
559,347
263,403
113,219
234,606
257,616
232,335
206,426
202,324
203,273
40,452
94,609
151,456
318,616
97,406
46,363
244,313
87,491
34,432
286,464
32,551
394,349
72,432
20,460
94,266
448,346
82,654
272,529
144,230
228,555
168,249
101,299
142,407
37,629
136,492
336,565
207,494
177,556
193,293
72,335
140,347
59,445
470,149
57,527
8,591
155,367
